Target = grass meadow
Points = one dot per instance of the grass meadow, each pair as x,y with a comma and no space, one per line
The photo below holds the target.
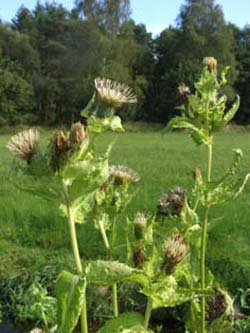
33,233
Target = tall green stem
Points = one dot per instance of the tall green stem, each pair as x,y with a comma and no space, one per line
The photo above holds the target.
74,244
114,286
204,243
148,313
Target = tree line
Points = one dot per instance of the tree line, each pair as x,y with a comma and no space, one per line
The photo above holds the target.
49,57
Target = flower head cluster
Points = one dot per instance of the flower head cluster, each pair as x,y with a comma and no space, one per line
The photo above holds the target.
114,94
211,64
122,175
175,251
24,144
171,203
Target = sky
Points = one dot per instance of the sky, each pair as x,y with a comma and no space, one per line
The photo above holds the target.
155,14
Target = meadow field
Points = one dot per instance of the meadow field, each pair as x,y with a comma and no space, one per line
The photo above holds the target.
33,233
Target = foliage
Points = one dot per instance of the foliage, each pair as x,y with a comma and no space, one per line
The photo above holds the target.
65,50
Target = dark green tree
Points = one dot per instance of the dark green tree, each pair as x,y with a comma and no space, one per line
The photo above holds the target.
201,31
242,84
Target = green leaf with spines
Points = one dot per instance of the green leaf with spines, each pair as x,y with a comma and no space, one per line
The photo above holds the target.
102,272
70,293
231,113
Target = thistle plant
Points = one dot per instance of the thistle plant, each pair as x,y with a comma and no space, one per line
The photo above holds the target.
70,174
166,253
203,114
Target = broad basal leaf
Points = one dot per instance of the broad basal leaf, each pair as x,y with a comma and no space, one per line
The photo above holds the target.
70,292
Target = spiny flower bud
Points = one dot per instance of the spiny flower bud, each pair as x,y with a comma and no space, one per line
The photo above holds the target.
122,174
175,251
171,203
215,306
183,92
140,225
211,64
138,257
114,94
77,134
60,142
24,144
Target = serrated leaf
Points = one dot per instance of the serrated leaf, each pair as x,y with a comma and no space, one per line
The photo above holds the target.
124,323
102,272
198,134
70,293
231,113
167,293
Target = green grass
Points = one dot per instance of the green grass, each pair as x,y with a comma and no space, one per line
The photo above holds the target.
162,162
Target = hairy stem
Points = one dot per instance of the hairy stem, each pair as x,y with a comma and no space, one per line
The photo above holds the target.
74,244
148,313
114,286
204,243
115,300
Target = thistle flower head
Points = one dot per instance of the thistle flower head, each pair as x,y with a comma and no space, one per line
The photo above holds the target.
140,225
172,202
37,330
183,91
175,251
215,306
138,257
24,144
114,94
77,133
60,142
211,64
122,174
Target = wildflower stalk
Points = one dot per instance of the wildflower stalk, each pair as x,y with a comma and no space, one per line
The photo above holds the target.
114,286
148,313
74,244
204,243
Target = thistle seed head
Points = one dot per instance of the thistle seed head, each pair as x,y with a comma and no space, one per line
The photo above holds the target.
215,306
138,257
183,91
114,94
77,134
175,251
60,142
140,225
171,203
24,144
211,64
122,174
